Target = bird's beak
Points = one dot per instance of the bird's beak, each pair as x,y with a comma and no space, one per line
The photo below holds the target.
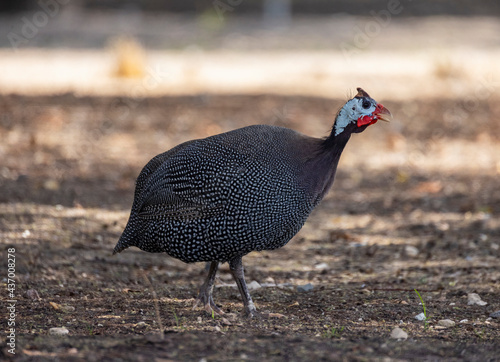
382,113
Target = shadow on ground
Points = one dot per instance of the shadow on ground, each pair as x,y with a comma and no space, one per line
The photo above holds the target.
392,224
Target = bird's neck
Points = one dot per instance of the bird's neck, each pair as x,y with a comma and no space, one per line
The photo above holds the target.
324,164
334,144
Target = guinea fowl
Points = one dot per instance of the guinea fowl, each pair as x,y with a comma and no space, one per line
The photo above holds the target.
219,198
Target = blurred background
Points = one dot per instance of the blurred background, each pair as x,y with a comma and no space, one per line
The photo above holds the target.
92,90
396,48
89,85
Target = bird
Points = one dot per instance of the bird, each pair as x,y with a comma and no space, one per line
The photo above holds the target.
219,198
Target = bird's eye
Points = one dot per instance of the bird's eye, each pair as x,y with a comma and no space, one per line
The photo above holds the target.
366,104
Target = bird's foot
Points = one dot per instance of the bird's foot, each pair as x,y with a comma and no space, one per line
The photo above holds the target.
251,312
256,314
208,304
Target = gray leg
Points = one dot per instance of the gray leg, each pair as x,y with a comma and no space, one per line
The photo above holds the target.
205,295
236,267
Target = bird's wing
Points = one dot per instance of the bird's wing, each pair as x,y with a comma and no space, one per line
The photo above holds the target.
175,191
152,167
177,207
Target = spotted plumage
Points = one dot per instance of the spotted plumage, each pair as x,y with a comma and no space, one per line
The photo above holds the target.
219,198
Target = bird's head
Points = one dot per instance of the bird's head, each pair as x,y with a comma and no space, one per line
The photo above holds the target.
358,113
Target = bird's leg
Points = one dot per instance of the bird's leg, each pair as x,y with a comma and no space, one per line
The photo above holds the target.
205,295
236,268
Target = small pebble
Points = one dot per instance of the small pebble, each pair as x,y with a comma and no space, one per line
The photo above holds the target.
475,299
464,321
446,323
420,317
276,315
483,237
67,308
58,331
254,285
32,294
141,324
495,314
270,280
305,288
411,250
322,266
398,333
51,185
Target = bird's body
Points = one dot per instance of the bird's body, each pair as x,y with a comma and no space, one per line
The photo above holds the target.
224,196
219,198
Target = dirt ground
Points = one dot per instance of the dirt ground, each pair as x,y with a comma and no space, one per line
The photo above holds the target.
415,205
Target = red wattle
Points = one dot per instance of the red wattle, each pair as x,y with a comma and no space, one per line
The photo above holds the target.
362,121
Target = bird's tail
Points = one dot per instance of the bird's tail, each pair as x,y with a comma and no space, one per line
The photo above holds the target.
126,239
120,246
